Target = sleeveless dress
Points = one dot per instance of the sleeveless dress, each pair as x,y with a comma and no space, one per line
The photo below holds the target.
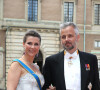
28,82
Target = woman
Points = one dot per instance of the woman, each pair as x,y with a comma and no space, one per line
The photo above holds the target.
18,77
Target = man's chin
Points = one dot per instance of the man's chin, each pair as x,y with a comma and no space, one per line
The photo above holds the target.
68,48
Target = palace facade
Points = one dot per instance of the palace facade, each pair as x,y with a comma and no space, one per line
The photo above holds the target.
45,16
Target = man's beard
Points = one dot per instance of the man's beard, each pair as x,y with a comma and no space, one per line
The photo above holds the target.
68,48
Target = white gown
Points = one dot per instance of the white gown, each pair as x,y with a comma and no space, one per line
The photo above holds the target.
28,82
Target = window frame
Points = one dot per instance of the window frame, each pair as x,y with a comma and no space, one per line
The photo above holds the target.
98,22
70,13
74,10
98,42
38,11
32,10
93,13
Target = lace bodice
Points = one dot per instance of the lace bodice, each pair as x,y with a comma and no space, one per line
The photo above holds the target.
28,82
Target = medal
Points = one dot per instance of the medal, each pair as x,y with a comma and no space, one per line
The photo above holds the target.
70,63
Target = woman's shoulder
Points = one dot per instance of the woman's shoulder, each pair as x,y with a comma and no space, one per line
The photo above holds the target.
15,66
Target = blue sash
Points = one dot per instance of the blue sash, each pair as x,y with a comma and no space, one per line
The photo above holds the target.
30,71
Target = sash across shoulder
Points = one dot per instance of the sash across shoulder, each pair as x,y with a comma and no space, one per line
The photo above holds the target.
30,71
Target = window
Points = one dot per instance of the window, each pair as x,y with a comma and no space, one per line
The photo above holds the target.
97,14
99,67
32,10
97,43
68,11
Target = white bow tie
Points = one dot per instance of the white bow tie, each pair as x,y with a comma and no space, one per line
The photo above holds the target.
71,56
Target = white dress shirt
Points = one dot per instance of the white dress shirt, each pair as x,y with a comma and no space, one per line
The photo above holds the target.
72,71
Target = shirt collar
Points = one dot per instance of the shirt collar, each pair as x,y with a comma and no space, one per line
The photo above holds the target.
68,55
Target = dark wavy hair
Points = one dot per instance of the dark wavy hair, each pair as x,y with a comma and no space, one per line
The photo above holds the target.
31,33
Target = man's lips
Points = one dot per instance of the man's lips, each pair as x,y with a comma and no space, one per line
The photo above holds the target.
67,43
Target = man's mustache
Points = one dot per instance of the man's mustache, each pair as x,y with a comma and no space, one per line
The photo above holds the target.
67,42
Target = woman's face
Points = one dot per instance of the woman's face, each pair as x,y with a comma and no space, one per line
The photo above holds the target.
32,46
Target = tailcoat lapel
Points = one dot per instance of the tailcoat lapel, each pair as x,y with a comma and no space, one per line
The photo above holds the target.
84,73
61,69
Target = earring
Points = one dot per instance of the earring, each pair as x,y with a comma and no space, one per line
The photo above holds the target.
36,55
23,51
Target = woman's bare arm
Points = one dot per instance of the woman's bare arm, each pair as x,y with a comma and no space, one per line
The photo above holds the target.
14,74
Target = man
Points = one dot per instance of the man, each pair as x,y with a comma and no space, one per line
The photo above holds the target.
71,69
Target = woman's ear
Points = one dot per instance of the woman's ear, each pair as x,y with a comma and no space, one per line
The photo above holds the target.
23,44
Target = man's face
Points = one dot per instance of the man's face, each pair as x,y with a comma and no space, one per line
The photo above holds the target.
69,38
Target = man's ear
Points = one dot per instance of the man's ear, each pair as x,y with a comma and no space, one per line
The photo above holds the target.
78,38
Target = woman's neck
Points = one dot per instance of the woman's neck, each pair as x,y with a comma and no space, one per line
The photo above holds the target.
28,59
